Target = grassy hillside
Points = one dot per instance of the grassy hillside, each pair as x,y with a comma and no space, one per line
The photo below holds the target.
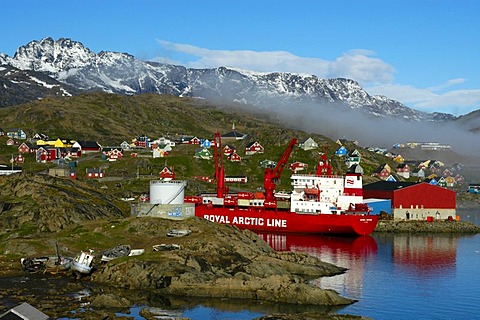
111,119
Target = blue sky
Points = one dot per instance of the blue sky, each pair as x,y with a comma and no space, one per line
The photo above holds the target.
423,53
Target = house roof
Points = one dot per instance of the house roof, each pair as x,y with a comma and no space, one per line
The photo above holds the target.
306,139
234,134
379,169
89,144
355,168
24,311
388,185
354,153
28,144
253,143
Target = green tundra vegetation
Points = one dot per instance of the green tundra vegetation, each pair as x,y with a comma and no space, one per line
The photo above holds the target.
111,119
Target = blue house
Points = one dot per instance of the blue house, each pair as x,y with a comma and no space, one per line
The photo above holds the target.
474,188
342,151
16,133
432,181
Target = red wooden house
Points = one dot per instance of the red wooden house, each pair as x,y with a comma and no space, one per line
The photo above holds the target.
93,173
234,157
112,153
87,146
141,142
74,152
253,148
194,140
298,166
26,147
47,154
447,173
228,149
19,159
403,170
167,174
382,171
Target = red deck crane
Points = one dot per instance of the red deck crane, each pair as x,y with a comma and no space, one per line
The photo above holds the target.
324,167
219,166
271,176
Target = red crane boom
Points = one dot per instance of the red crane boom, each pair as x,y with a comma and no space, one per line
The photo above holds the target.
271,176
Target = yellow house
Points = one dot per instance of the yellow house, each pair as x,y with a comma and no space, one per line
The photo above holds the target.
41,143
58,144
399,159
450,181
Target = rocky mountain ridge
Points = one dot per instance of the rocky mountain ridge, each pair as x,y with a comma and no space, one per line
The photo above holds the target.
70,62
21,86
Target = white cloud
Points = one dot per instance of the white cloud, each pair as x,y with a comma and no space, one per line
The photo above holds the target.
447,84
360,66
375,75
268,61
432,99
404,93
355,64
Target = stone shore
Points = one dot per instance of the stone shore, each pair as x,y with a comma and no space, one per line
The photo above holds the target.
215,262
437,226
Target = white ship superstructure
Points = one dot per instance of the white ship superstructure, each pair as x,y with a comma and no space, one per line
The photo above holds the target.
325,194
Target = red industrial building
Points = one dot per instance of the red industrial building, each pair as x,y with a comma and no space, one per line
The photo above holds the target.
414,201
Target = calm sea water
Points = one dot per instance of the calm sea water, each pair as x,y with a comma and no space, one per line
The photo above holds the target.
392,276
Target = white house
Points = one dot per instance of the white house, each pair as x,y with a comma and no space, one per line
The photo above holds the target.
308,144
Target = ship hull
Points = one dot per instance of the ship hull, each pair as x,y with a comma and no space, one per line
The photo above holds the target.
271,220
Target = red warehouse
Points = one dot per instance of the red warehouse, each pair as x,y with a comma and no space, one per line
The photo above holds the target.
414,201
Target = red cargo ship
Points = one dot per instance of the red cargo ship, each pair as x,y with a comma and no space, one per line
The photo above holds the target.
320,203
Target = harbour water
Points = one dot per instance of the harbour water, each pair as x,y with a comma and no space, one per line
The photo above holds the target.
392,276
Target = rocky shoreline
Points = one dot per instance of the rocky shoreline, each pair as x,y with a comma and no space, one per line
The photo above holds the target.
437,226
215,262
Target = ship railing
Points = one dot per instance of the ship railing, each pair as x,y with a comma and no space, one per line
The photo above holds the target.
302,175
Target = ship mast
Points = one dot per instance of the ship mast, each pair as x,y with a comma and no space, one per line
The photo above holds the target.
324,167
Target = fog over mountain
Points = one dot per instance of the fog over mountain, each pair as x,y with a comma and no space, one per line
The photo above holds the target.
338,108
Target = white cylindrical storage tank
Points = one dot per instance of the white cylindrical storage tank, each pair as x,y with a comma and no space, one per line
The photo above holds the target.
167,192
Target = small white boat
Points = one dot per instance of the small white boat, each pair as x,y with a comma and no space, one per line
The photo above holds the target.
83,263
116,252
136,252
178,232
123,250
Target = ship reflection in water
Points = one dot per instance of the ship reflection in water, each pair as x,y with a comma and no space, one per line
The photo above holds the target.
414,256
425,255
347,252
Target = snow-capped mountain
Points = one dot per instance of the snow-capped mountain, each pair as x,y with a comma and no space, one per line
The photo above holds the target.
70,62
